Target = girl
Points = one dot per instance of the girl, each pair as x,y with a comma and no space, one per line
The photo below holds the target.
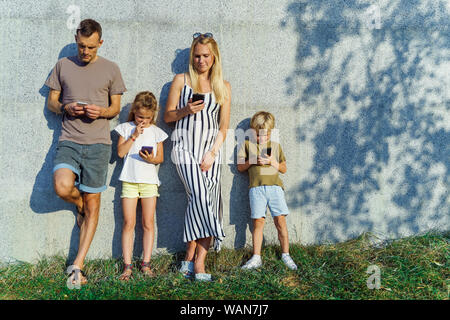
139,176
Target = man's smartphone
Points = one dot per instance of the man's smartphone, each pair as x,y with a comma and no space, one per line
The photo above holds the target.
197,97
148,149
82,104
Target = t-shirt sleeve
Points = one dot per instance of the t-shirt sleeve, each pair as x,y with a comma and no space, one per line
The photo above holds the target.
160,135
120,129
53,80
117,85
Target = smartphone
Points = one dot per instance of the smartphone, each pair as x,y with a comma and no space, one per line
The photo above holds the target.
82,104
148,149
267,151
197,97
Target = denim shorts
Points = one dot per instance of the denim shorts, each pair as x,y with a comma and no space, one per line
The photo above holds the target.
89,162
139,190
271,196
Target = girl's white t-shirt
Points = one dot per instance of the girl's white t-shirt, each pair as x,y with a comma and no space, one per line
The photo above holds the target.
135,169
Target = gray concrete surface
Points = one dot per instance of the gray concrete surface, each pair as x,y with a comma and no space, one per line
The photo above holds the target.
359,89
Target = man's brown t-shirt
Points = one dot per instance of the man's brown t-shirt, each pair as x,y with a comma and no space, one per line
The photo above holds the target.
92,83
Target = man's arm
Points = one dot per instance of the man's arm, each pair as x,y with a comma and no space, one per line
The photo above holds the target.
54,105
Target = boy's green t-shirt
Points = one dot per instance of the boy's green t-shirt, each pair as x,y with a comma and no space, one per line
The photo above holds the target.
265,175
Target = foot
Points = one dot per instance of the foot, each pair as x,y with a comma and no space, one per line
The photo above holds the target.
287,260
253,263
127,271
187,269
76,275
145,268
203,277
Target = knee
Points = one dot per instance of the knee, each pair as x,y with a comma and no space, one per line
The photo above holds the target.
129,225
63,187
148,225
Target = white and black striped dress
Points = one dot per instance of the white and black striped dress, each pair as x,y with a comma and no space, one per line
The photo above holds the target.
194,135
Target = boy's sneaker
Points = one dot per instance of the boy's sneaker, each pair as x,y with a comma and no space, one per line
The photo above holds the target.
253,263
286,258
187,269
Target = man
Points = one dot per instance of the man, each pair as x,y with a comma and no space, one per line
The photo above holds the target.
90,88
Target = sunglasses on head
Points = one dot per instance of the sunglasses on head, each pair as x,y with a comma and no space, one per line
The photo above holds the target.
203,35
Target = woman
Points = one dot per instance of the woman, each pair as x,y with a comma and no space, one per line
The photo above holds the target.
200,131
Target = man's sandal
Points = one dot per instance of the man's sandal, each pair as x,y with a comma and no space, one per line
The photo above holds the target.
127,271
76,275
145,268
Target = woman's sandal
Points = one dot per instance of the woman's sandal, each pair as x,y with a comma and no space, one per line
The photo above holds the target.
76,275
127,271
145,268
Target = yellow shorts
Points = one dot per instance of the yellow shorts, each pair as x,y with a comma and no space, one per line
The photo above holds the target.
139,190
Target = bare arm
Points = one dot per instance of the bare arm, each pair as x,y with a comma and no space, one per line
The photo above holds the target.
173,114
54,105
242,167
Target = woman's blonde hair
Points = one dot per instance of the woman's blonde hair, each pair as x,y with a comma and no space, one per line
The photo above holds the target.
262,120
146,100
215,73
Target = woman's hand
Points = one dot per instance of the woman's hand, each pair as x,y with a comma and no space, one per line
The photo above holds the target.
207,161
194,107
150,158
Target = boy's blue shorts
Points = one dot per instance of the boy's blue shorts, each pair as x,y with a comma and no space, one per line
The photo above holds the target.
263,196
89,162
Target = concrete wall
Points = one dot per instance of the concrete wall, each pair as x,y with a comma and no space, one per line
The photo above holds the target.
360,91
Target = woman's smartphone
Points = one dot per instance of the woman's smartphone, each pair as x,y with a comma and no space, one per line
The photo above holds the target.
197,97
148,149
81,104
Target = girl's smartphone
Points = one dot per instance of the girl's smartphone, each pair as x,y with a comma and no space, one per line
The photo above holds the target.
82,104
148,149
197,97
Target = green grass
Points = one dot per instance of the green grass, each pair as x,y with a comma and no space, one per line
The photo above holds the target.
411,268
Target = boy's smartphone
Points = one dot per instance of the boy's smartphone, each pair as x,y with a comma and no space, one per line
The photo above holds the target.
197,97
148,149
267,151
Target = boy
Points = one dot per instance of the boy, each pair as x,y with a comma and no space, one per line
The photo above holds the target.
263,160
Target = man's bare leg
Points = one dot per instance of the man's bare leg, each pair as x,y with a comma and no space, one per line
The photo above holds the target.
64,185
89,226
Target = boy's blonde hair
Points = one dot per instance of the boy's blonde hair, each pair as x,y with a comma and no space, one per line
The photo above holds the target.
262,120
146,100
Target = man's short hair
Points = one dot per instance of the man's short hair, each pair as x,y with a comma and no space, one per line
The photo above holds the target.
88,26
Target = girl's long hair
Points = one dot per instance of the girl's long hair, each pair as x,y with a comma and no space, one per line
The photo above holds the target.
146,100
215,73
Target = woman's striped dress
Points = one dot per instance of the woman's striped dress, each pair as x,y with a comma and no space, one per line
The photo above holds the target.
194,135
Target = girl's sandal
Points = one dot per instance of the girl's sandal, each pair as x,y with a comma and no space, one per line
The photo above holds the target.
126,274
145,268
